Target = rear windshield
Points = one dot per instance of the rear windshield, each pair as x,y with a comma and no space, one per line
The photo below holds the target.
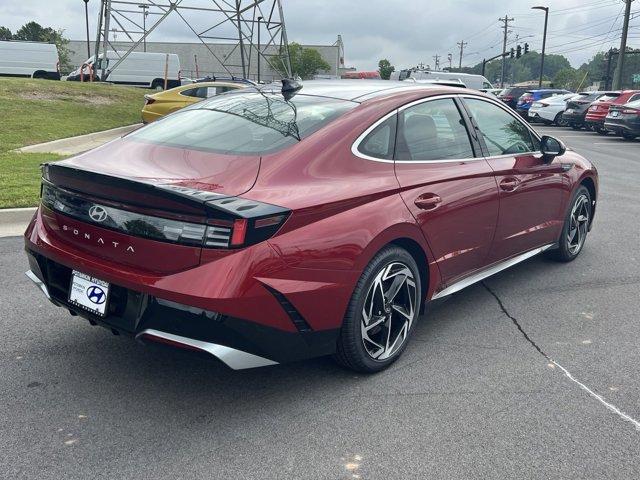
244,123
634,104
608,96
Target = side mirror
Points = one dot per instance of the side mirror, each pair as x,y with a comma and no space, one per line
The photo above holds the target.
551,148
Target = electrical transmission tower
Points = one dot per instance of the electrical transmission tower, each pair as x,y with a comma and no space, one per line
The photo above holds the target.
212,22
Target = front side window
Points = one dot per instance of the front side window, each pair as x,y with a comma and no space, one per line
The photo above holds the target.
243,124
502,132
380,141
433,130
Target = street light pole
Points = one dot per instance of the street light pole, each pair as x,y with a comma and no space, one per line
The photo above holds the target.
544,40
86,16
259,20
145,12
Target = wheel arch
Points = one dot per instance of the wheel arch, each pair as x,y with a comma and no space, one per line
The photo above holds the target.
420,256
409,237
590,185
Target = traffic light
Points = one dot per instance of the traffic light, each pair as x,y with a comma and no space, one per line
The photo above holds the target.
526,48
512,53
518,51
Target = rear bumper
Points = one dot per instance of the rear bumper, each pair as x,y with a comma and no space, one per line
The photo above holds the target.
247,300
574,118
619,127
238,343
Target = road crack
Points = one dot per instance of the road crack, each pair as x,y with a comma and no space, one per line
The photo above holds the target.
612,408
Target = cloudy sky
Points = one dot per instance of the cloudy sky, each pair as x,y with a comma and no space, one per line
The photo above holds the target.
405,32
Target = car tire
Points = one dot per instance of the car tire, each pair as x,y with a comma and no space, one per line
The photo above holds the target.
361,345
559,120
575,126
576,226
601,131
628,136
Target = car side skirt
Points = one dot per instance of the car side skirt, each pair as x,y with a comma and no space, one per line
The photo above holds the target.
487,272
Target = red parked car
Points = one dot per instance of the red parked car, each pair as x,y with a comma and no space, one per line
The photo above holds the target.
599,109
269,224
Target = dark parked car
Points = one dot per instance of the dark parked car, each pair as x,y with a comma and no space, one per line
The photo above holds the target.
527,98
511,95
576,111
277,224
624,120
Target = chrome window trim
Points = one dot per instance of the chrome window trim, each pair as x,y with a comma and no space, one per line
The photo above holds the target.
356,143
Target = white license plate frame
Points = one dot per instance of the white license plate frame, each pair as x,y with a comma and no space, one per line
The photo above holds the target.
89,293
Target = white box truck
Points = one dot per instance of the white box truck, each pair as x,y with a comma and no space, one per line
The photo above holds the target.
29,59
141,69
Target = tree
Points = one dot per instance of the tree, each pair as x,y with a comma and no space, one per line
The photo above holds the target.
35,32
305,62
568,78
5,33
385,68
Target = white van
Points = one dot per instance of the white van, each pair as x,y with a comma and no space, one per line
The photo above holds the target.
142,69
476,82
29,59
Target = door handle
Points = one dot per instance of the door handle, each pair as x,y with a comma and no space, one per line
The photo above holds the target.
428,201
509,184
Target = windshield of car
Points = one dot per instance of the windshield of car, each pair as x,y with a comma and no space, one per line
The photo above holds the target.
253,123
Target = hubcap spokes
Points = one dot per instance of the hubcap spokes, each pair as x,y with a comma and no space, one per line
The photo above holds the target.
578,224
388,311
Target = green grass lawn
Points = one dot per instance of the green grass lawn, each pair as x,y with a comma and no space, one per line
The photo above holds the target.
35,111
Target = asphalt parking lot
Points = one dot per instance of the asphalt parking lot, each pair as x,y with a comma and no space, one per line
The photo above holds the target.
471,397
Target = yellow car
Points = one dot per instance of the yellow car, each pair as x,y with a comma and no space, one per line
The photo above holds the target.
163,103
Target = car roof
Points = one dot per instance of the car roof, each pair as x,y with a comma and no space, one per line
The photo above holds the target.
359,90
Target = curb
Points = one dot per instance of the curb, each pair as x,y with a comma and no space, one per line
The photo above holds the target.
14,221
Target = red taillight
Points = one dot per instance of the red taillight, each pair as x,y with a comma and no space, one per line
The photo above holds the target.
507,98
239,231
528,100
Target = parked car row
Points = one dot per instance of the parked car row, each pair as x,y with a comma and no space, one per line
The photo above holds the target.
601,111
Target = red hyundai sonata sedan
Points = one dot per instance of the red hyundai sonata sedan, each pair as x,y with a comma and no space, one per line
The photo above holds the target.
282,223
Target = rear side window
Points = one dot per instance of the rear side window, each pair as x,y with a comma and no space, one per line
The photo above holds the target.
243,123
433,130
381,140
502,132
200,92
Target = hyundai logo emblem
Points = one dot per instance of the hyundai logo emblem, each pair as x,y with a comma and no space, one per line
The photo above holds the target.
97,213
96,295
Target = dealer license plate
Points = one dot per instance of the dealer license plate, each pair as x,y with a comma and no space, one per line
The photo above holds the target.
615,113
89,293
569,110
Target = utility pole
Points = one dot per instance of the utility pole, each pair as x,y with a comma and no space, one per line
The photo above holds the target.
617,79
505,22
86,16
461,44
436,58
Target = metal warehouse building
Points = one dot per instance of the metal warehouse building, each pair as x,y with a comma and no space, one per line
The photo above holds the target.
207,64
